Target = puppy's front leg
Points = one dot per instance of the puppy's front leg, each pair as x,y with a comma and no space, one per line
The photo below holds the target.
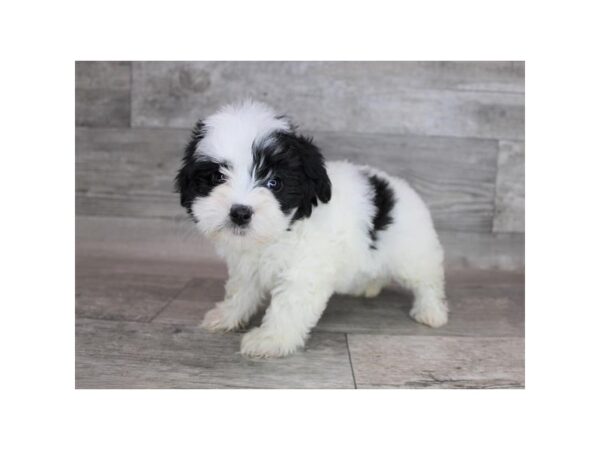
295,309
242,298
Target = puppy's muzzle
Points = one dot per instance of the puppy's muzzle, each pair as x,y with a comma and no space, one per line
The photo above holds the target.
240,214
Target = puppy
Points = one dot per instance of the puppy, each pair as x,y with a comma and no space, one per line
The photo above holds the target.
296,229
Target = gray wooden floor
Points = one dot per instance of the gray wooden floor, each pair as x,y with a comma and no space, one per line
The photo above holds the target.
136,327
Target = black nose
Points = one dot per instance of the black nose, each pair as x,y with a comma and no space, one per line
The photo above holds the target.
240,214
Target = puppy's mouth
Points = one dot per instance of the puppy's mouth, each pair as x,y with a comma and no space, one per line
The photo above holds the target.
238,230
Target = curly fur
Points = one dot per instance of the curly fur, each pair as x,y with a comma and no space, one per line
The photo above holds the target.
317,228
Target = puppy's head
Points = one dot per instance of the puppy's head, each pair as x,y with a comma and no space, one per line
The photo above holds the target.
247,176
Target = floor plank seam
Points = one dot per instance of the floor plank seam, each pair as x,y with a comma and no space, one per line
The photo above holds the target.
172,299
350,361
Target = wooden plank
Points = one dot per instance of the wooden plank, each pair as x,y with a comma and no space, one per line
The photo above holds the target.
450,99
497,251
130,173
381,361
483,310
179,241
510,188
142,239
128,162
491,76
120,295
127,355
140,205
102,93
190,305
107,265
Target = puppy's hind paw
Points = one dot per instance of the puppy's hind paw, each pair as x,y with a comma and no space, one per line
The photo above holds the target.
431,314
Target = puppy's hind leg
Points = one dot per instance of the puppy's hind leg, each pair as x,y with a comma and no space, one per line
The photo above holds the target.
427,284
429,306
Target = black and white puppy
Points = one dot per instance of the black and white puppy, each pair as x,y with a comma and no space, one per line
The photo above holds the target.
296,229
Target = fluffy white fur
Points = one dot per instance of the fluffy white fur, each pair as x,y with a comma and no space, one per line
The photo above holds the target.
299,268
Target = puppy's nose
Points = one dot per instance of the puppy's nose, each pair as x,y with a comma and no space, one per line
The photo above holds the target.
240,214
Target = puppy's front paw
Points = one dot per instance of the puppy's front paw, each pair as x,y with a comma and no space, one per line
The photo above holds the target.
217,319
264,343
431,314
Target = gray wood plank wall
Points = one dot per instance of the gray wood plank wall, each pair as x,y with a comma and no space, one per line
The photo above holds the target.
454,130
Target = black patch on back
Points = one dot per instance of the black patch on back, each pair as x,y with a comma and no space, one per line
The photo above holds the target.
196,176
383,199
300,166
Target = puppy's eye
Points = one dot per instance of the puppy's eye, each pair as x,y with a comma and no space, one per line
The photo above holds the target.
275,184
217,178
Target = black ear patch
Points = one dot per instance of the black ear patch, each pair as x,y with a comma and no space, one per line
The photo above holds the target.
196,178
300,166
317,184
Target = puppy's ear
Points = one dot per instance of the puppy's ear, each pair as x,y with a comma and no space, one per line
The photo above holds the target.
185,183
317,184
314,168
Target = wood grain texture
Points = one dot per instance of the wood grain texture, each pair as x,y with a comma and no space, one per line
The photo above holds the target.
130,173
483,310
480,347
102,93
113,354
142,239
124,288
106,265
486,251
381,361
510,188
123,295
190,305
128,162
125,205
449,99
